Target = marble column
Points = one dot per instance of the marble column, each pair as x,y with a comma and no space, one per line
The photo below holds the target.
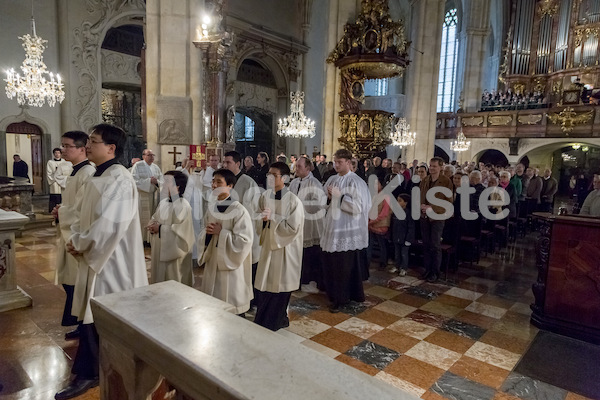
422,76
173,76
11,296
340,12
473,43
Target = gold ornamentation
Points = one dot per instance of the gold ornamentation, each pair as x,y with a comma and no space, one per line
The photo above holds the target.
584,32
373,38
504,67
375,70
500,119
530,119
548,7
539,84
557,87
519,87
366,132
472,121
568,119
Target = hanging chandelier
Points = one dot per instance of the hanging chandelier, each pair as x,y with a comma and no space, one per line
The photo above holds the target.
296,125
34,88
461,143
401,135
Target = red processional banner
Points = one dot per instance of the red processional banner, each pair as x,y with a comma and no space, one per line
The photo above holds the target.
198,156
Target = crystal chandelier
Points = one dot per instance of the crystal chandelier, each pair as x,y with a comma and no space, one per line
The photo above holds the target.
401,135
34,88
296,125
461,143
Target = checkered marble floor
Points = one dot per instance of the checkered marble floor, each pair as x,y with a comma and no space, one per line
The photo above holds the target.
455,339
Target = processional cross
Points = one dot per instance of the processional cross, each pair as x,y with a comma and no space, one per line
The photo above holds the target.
174,152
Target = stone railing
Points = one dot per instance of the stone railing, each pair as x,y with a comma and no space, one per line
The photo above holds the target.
560,121
168,336
16,196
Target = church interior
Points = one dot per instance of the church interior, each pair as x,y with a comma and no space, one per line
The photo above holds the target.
511,81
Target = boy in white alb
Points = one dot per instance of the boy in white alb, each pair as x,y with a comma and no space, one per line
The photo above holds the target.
172,233
225,246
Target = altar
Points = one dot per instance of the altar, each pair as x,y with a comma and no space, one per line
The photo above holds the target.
16,195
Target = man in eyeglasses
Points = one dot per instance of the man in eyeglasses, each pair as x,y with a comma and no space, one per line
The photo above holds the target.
108,240
73,145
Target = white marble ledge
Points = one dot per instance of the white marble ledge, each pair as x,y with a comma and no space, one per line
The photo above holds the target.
11,220
205,351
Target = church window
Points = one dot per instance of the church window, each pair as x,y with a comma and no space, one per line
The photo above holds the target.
376,87
248,129
448,61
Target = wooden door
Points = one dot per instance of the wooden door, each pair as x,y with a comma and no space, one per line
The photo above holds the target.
37,164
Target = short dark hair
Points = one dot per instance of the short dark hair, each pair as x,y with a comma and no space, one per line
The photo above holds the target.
56,149
226,174
282,167
307,163
324,155
16,155
180,180
237,157
112,134
439,160
79,138
406,198
343,153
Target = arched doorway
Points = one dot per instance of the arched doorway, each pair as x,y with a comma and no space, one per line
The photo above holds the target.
439,152
256,105
25,139
493,157
122,82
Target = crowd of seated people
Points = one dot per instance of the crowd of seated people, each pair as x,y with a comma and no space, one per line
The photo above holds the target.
463,239
498,100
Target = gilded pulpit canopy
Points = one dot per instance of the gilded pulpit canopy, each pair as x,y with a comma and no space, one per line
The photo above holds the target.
373,47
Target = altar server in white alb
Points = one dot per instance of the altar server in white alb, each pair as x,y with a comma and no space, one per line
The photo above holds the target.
225,246
108,239
73,145
172,233
310,191
247,192
280,263
148,179
345,233
57,172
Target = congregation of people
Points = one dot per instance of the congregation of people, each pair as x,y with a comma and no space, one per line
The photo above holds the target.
261,231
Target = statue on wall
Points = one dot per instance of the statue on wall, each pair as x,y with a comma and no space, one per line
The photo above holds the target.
230,124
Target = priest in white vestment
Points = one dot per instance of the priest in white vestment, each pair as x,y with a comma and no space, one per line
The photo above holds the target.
225,246
107,237
345,233
280,263
172,233
73,145
57,172
310,192
148,179
194,195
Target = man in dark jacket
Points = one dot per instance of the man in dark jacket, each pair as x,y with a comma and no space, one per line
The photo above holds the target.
20,168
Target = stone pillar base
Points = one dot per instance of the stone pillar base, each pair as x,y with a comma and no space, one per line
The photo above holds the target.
12,299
